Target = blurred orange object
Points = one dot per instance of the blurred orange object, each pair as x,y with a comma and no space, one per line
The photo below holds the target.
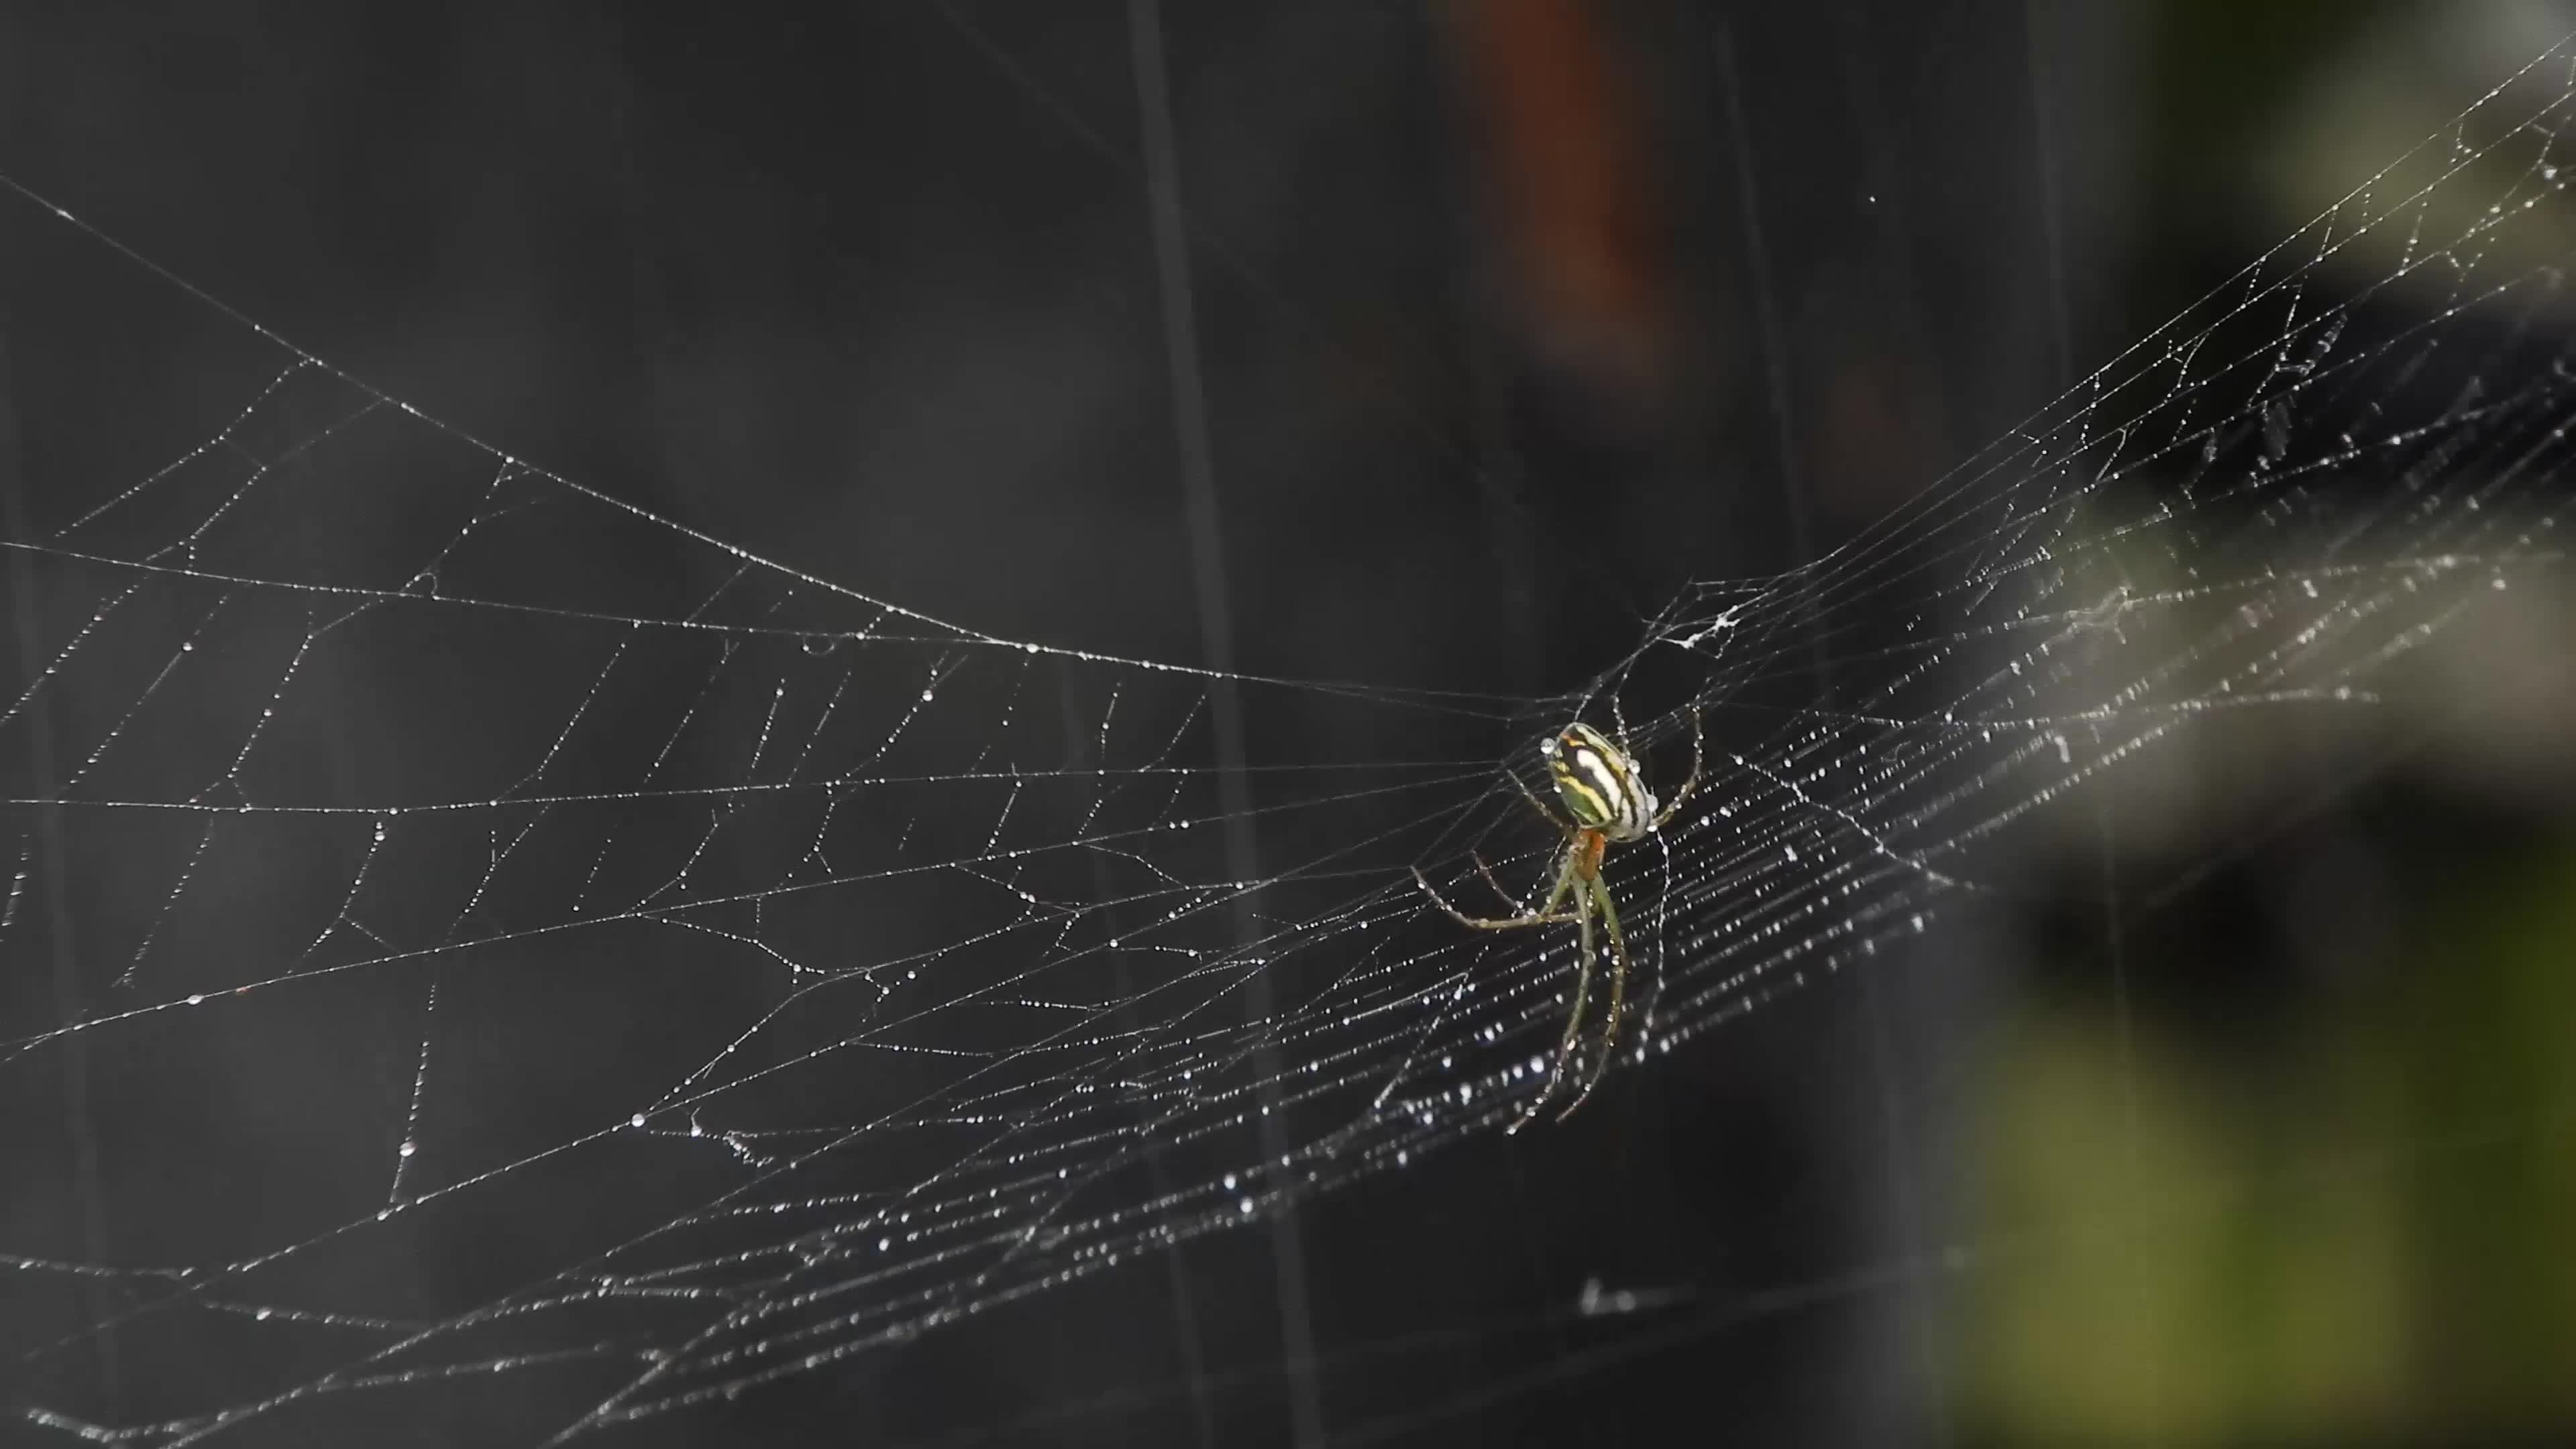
1568,186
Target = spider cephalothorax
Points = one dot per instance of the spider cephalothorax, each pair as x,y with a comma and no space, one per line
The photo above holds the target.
1605,796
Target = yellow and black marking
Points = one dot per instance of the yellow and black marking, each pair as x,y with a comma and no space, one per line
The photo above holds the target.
1598,783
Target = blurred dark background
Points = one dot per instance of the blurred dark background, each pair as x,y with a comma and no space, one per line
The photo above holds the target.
1513,318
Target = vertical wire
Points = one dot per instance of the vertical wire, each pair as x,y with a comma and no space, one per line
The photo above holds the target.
1766,322
53,860
2044,163
1225,706
1892,1123
1185,1318
1501,474
2105,807
2045,160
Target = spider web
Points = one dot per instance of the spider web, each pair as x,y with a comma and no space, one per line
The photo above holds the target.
346,743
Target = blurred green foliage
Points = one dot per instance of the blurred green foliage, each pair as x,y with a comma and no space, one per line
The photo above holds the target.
2360,1235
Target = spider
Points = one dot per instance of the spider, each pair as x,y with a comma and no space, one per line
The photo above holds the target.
1599,785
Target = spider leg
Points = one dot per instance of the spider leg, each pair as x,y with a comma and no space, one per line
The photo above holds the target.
1573,1019
1535,803
1546,915
1512,900
1519,906
1618,995
1698,755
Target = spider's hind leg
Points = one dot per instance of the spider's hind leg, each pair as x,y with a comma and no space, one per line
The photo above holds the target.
1618,994
1544,916
1573,1018
1535,803
1519,907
